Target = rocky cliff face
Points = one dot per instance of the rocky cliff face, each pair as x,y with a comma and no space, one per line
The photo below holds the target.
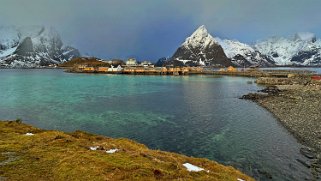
33,46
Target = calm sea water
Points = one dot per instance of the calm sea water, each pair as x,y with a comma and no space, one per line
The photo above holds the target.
316,70
199,116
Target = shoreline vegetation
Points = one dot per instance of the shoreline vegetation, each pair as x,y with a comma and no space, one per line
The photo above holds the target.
29,153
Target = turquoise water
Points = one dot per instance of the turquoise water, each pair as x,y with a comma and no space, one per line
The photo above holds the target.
199,116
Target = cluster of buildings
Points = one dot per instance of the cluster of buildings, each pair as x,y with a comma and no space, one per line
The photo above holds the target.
115,66
133,67
85,68
132,62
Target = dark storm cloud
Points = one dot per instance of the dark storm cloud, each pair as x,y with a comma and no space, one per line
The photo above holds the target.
151,29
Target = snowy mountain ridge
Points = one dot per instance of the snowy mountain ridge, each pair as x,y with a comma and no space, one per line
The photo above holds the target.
242,54
32,46
201,48
301,49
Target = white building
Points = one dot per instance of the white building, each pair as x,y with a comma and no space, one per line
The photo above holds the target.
147,64
115,69
131,62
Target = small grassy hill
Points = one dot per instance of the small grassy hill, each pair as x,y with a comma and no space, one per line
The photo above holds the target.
54,155
90,61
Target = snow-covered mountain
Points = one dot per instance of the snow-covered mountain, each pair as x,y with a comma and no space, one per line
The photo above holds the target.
32,46
242,54
300,49
203,49
200,49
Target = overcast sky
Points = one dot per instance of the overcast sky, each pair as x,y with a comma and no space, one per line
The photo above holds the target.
150,29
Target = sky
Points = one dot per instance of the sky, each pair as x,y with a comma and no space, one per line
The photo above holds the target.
151,29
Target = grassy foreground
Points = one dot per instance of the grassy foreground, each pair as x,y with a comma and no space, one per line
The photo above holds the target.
55,155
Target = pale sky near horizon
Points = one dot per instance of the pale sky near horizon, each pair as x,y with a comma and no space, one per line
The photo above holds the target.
149,29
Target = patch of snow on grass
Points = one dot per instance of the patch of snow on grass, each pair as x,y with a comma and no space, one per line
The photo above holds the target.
192,168
111,151
29,134
240,179
93,148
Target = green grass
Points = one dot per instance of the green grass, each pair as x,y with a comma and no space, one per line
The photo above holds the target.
55,155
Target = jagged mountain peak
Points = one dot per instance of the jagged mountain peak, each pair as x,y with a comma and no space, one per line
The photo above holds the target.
200,37
201,31
200,49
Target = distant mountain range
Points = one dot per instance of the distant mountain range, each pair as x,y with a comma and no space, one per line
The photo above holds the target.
33,46
303,49
37,46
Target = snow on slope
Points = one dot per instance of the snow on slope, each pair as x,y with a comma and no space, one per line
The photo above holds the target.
303,49
199,39
233,48
7,52
9,37
243,54
9,40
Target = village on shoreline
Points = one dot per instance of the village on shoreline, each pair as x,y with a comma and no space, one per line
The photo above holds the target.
133,67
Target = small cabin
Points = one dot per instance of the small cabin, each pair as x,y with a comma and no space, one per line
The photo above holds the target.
102,69
231,69
89,69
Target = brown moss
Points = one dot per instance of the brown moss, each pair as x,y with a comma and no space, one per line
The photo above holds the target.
54,155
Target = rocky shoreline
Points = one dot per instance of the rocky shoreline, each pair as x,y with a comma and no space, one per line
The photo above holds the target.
298,108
